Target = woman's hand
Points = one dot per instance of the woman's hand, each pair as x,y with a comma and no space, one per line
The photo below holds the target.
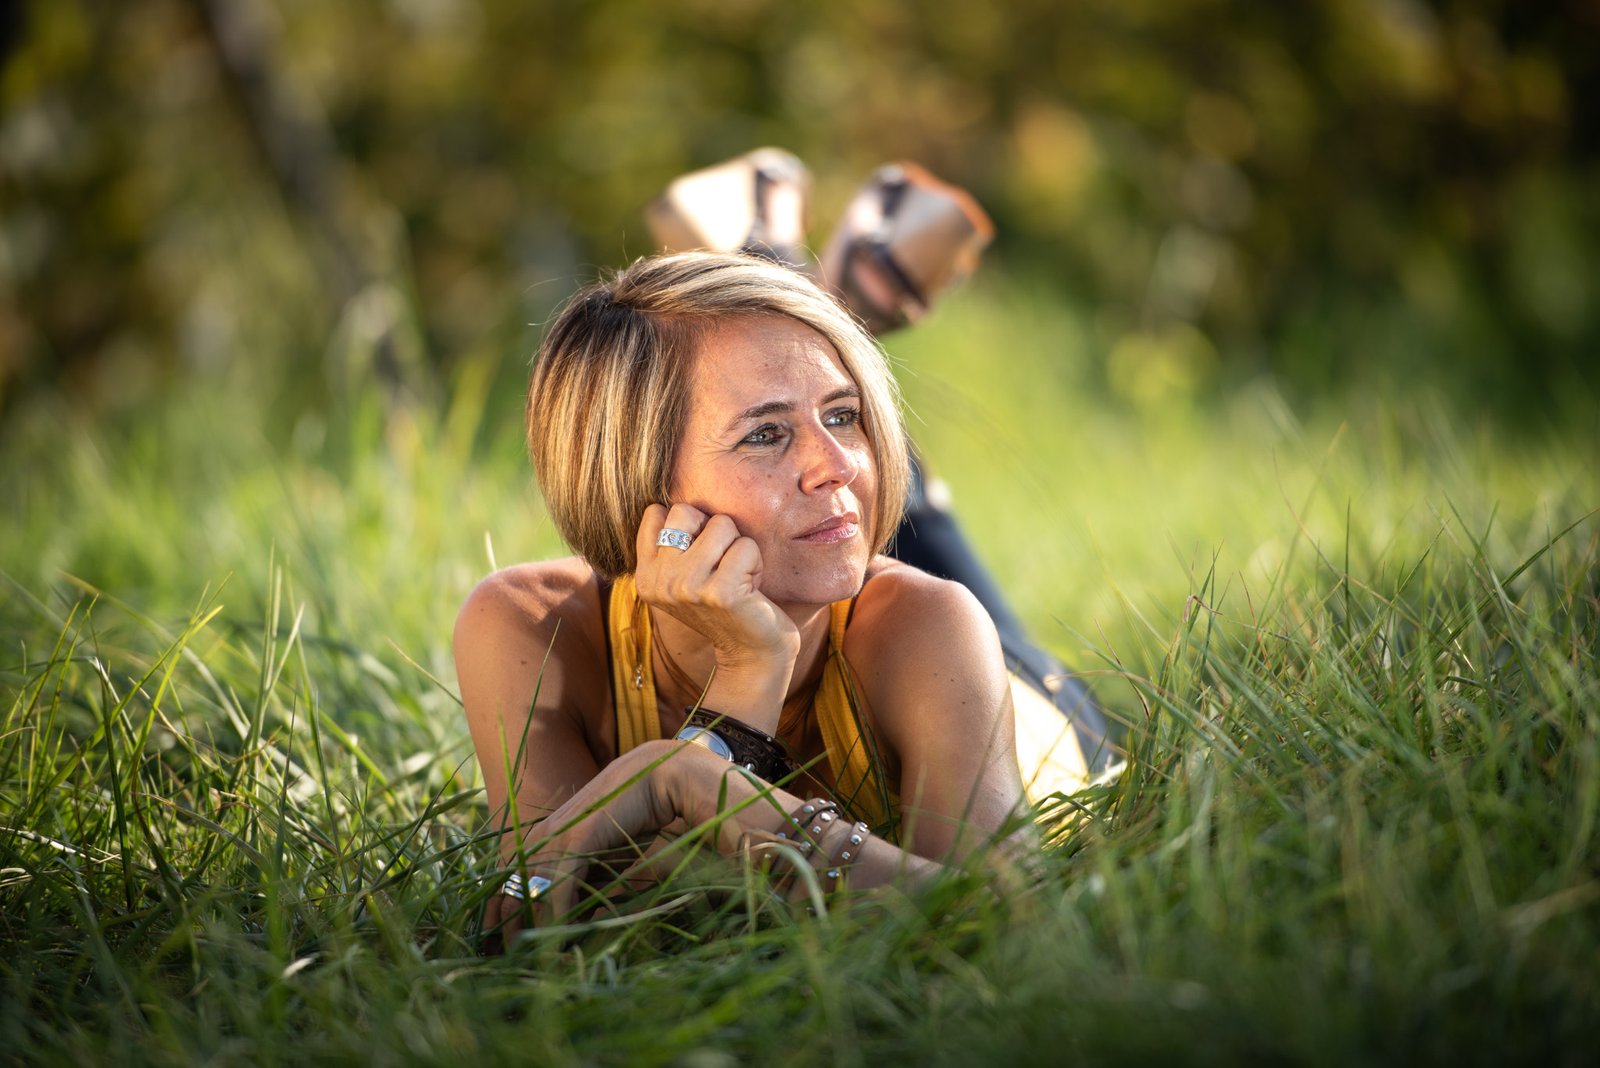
568,840
616,815
714,588
631,800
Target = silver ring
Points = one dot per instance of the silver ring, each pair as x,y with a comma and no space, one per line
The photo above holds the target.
530,889
674,538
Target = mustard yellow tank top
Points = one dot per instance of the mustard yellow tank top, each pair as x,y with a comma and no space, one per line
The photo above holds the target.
1048,754
859,785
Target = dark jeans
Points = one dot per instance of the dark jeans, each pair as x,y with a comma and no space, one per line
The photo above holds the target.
929,538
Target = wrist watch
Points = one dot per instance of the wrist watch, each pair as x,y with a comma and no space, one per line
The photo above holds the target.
738,743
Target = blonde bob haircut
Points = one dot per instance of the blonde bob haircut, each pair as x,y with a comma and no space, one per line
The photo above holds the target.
609,395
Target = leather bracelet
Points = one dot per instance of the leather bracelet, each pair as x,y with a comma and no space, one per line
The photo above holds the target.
831,846
827,843
854,841
755,751
809,822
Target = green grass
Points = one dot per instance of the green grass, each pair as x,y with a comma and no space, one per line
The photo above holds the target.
1355,648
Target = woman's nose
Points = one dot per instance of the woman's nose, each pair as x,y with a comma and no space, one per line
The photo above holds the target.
828,461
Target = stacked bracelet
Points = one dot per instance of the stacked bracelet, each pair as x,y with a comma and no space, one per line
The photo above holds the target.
849,852
826,842
808,822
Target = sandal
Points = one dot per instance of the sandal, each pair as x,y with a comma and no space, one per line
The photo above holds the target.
754,203
905,238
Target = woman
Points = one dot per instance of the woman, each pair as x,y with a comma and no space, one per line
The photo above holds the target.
721,444
905,238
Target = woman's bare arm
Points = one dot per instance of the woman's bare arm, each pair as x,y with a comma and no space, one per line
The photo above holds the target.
935,678
936,683
669,783
526,666
662,783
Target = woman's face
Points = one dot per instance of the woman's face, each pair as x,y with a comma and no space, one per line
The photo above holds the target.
774,440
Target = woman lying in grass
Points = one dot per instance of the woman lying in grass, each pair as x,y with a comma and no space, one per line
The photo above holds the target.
721,444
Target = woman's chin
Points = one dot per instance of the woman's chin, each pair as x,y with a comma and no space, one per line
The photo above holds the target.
839,581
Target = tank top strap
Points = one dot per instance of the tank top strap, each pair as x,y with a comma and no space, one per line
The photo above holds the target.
853,757
633,684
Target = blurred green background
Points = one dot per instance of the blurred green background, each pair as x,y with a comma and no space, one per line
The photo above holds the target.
1273,408
271,272
1335,192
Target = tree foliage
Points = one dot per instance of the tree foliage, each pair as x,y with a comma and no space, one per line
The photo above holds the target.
1325,189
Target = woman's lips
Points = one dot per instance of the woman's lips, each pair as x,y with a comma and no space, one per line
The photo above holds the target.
833,529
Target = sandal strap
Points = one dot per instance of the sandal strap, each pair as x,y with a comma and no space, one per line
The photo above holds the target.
728,207
920,234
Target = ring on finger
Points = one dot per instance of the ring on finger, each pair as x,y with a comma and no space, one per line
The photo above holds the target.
529,888
674,538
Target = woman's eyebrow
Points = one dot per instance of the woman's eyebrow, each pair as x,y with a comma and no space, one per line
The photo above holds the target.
776,407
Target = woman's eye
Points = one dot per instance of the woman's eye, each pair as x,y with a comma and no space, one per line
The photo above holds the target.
844,417
766,435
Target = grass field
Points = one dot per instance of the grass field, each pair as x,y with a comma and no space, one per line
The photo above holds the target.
1354,643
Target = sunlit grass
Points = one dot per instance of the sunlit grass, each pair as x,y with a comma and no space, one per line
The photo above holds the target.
1355,645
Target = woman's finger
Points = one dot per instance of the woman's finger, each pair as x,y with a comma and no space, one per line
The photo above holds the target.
549,891
738,572
658,517
669,574
660,565
502,919
682,517
582,831
650,524
561,897
694,568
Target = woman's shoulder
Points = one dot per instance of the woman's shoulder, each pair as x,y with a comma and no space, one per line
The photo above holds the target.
529,641
533,601
930,666
895,588
906,616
